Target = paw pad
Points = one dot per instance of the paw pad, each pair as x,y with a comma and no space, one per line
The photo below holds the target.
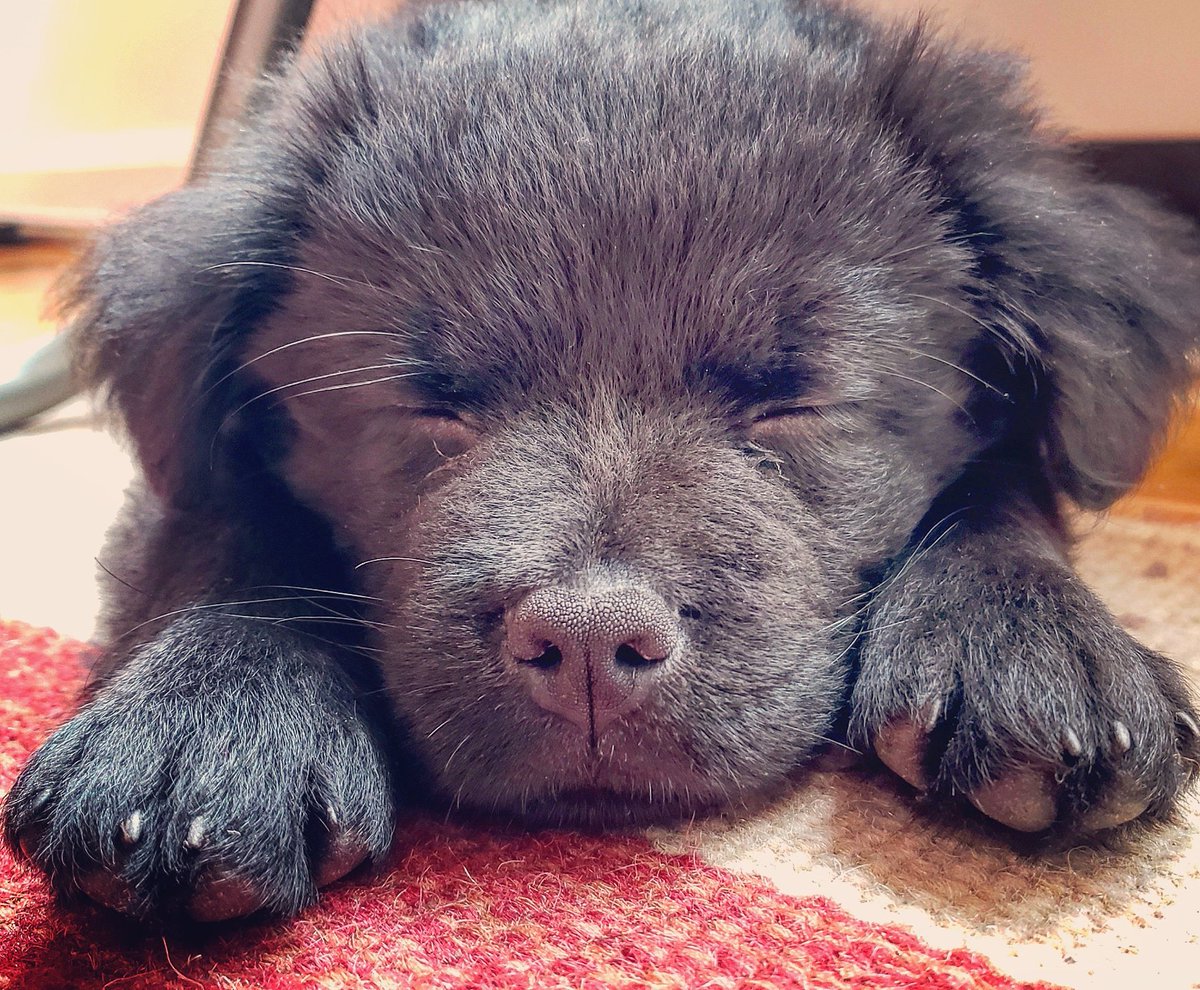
1024,798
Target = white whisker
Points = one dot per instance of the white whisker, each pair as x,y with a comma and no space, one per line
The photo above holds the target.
338,279
297,343
306,381
376,560
949,364
932,388
973,317
336,388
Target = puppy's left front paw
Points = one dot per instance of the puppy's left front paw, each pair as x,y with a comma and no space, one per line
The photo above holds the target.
1018,691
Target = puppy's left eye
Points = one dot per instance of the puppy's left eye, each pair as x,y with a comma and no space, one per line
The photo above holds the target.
451,433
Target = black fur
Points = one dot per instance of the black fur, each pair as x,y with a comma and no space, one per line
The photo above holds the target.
795,322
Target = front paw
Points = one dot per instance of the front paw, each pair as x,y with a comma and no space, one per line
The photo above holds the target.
1010,684
223,771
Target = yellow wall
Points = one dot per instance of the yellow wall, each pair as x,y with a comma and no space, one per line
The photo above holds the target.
1107,68
111,82
89,83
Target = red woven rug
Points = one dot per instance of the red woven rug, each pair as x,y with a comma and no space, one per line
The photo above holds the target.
457,907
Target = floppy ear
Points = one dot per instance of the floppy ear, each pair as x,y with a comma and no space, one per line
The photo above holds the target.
157,308
1114,287
1092,287
160,305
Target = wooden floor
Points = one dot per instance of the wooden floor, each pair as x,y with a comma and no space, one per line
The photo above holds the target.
1175,479
28,270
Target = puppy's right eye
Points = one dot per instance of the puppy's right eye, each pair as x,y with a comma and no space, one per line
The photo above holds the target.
451,433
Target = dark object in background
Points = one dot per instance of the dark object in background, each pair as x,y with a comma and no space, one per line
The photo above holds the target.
262,33
579,412
1168,170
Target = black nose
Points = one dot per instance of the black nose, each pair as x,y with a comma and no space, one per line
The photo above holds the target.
591,652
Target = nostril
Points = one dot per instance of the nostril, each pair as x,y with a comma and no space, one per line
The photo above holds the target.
629,656
549,658
591,628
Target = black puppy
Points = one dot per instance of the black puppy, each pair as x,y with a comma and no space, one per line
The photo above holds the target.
577,411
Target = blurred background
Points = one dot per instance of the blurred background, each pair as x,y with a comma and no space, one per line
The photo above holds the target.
107,105
103,102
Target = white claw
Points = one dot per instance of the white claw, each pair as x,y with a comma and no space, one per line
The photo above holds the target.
932,713
1071,743
1188,723
195,834
1122,741
131,829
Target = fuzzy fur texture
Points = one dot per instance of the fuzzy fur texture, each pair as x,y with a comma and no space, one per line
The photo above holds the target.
789,324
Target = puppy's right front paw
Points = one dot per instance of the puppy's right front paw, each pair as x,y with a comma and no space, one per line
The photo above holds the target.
208,786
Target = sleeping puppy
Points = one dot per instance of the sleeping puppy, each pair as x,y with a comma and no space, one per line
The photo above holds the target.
578,412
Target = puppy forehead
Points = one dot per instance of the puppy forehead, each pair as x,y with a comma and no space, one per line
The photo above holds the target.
646,299
512,241
470,331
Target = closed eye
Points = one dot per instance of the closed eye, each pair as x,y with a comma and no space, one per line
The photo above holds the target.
794,417
781,412
451,432
438,413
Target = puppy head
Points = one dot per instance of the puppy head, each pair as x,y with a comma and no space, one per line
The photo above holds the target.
621,376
